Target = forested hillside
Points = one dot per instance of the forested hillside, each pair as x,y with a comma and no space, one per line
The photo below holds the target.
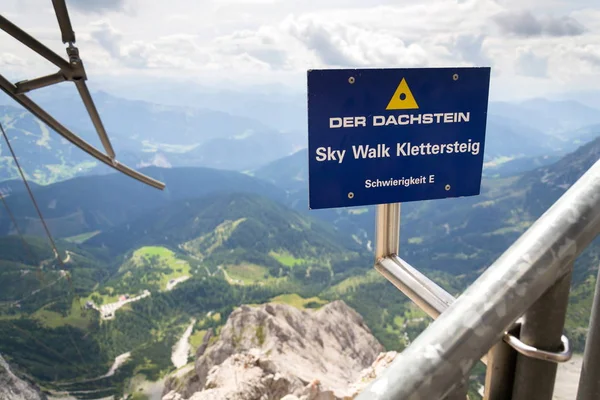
94,203
195,256
138,265
461,237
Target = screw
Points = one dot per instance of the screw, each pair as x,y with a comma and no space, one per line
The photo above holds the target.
350,195
351,80
447,187
455,77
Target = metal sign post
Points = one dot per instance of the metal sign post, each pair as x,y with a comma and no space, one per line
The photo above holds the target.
386,136
387,231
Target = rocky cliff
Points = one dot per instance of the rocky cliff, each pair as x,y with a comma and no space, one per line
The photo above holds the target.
274,351
14,388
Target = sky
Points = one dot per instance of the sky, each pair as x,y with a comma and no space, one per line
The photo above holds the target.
534,47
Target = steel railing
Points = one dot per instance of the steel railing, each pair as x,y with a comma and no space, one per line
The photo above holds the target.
521,298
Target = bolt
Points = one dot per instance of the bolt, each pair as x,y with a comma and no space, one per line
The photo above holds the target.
350,195
447,187
455,77
351,80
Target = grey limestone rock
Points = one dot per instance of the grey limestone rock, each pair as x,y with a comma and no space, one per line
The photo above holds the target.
275,350
14,388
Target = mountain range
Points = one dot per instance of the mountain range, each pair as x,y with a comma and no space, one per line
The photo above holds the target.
554,117
142,134
93,203
243,135
139,266
507,205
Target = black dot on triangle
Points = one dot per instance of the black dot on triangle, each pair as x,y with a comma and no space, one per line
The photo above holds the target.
402,96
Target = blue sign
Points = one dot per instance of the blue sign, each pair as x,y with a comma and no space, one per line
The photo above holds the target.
379,136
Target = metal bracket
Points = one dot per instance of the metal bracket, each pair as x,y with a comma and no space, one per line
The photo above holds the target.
529,351
64,22
387,231
73,71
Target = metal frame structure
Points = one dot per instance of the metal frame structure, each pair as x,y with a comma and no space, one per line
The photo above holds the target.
514,312
73,71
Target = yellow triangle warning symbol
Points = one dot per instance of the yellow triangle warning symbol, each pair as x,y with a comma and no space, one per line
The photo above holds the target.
403,98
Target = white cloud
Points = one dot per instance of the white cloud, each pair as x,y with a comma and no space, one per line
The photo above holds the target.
108,37
246,1
11,60
530,64
146,54
589,17
526,42
346,45
525,24
589,53
464,48
265,44
96,6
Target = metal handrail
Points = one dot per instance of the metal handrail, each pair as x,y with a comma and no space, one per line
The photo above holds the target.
589,384
438,361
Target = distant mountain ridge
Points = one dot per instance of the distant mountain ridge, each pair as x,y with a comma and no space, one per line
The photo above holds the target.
42,153
254,222
290,172
551,116
140,121
93,203
249,135
98,203
142,134
505,208
510,149
549,182
15,186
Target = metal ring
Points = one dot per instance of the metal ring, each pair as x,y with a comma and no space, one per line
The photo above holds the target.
562,356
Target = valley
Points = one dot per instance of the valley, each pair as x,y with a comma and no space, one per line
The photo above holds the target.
148,278
160,241
134,308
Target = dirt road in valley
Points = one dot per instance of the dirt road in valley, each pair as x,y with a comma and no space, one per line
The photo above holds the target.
181,350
